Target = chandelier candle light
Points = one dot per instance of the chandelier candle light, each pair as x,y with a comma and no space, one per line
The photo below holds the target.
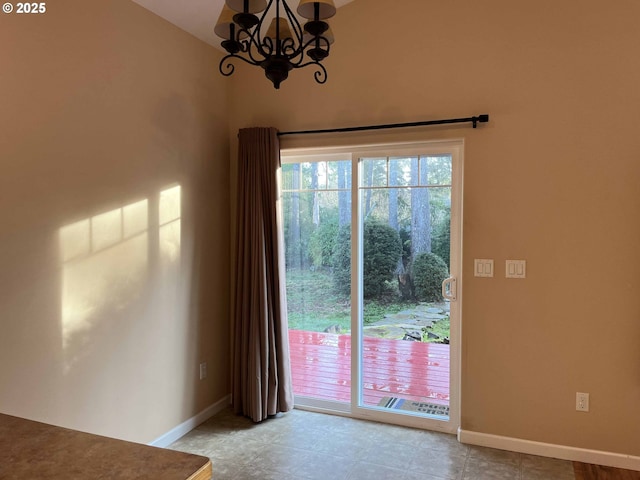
283,46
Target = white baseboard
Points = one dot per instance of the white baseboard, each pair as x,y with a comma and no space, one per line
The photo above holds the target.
188,425
562,452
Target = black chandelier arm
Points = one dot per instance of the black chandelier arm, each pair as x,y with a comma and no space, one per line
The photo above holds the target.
254,48
318,48
320,39
297,28
243,39
255,39
289,50
258,33
267,47
296,56
227,68
320,75
257,48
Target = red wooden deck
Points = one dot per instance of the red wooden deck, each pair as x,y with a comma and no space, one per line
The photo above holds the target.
321,368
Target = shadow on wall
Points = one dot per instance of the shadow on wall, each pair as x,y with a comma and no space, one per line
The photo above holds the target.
107,264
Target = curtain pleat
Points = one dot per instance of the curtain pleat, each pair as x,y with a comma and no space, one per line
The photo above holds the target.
261,367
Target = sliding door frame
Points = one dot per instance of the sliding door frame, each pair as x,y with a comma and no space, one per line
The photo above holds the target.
455,148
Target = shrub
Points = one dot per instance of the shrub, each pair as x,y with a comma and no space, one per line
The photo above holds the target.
429,271
382,250
322,244
441,239
342,261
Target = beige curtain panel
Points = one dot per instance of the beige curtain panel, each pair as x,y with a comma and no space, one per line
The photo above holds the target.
261,369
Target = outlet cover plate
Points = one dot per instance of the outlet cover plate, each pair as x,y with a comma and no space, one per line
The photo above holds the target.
582,402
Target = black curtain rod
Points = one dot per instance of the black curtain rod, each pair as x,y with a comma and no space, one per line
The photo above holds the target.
475,120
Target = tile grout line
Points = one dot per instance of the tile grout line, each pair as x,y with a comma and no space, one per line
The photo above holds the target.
466,461
520,465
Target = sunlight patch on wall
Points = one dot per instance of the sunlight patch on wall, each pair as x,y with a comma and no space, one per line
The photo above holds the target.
104,270
107,261
169,221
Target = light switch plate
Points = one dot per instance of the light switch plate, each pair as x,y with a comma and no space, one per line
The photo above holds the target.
483,267
516,269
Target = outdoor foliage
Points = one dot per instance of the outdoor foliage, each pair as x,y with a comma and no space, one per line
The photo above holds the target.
322,244
382,250
405,238
405,203
441,244
305,312
429,271
342,261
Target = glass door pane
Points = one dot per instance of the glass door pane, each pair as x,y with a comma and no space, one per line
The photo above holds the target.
405,211
316,203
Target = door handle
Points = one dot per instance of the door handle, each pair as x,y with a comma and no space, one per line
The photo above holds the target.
449,289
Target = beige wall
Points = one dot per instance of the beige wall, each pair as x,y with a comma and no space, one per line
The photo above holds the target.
553,179
104,313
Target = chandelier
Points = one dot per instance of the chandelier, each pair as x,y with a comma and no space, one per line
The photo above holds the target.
283,46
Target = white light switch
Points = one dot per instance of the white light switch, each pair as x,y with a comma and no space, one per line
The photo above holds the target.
483,267
516,269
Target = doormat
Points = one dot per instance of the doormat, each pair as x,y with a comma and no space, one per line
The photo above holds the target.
412,406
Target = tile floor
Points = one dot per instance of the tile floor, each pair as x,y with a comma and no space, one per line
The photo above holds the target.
313,446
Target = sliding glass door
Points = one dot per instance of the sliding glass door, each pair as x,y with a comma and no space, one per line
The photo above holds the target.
316,200
372,235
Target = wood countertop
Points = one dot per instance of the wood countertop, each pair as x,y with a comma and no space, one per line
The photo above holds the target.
32,450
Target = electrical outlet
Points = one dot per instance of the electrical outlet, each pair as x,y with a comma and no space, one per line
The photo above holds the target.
582,402
203,370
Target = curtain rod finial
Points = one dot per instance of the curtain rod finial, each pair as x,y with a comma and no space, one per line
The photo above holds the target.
480,118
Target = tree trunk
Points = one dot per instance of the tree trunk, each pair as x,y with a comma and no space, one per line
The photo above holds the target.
314,187
344,194
294,220
393,211
368,178
393,196
405,282
420,212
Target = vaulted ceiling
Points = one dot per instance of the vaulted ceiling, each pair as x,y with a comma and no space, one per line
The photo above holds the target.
197,17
